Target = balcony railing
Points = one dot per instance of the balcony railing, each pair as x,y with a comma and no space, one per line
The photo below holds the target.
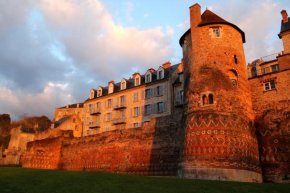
262,71
120,106
178,103
93,125
117,121
95,111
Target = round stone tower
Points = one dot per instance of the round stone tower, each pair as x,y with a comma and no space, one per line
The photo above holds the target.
220,139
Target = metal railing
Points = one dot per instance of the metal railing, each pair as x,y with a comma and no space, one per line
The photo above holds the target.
95,111
118,120
120,105
94,124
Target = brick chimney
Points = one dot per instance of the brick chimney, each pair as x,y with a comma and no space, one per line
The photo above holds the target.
284,16
166,65
195,19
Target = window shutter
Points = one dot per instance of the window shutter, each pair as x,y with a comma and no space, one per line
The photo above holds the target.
162,88
155,107
152,92
117,102
131,114
165,106
177,96
104,117
143,110
112,102
139,111
130,126
143,94
137,96
106,104
124,99
155,91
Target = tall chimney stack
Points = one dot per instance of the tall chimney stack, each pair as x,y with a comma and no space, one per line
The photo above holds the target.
195,19
284,16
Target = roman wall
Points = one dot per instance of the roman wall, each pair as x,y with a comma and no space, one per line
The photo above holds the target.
152,150
273,127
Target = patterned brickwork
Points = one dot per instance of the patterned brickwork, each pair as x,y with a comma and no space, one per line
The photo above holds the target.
43,154
220,141
274,143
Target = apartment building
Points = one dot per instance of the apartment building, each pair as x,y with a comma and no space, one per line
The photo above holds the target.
131,102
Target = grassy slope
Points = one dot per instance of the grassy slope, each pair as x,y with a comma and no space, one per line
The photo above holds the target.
15,179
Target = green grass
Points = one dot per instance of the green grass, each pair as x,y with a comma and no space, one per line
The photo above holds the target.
16,179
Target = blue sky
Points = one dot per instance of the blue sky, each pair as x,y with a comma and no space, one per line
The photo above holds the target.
52,52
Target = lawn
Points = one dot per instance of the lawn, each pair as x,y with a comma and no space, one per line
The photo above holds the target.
17,179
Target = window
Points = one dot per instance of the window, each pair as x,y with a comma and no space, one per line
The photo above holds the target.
109,103
254,72
68,127
74,120
111,88
210,99
160,74
204,100
270,85
148,93
147,109
135,125
275,68
137,81
89,132
216,32
98,106
92,95
99,93
160,107
148,78
236,59
136,96
159,90
234,82
181,96
122,101
76,128
123,85
136,111
107,129
109,116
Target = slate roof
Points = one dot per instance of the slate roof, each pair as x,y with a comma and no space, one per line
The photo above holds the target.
284,27
130,82
62,120
208,18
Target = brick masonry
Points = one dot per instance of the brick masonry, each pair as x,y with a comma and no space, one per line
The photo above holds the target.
152,150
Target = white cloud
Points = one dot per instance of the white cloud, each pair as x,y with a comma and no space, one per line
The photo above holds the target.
66,49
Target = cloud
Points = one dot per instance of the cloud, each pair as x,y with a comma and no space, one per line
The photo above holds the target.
52,52
146,15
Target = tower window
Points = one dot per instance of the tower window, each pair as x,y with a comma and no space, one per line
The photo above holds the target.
204,100
236,59
216,32
210,99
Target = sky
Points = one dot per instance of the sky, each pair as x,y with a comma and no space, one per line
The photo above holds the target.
53,52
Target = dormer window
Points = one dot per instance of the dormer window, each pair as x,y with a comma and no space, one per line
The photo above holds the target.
160,74
123,84
111,88
92,94
99,92
148,79
137,81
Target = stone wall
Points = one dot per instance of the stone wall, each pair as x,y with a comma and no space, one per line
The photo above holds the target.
43,154
273,127
151,150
